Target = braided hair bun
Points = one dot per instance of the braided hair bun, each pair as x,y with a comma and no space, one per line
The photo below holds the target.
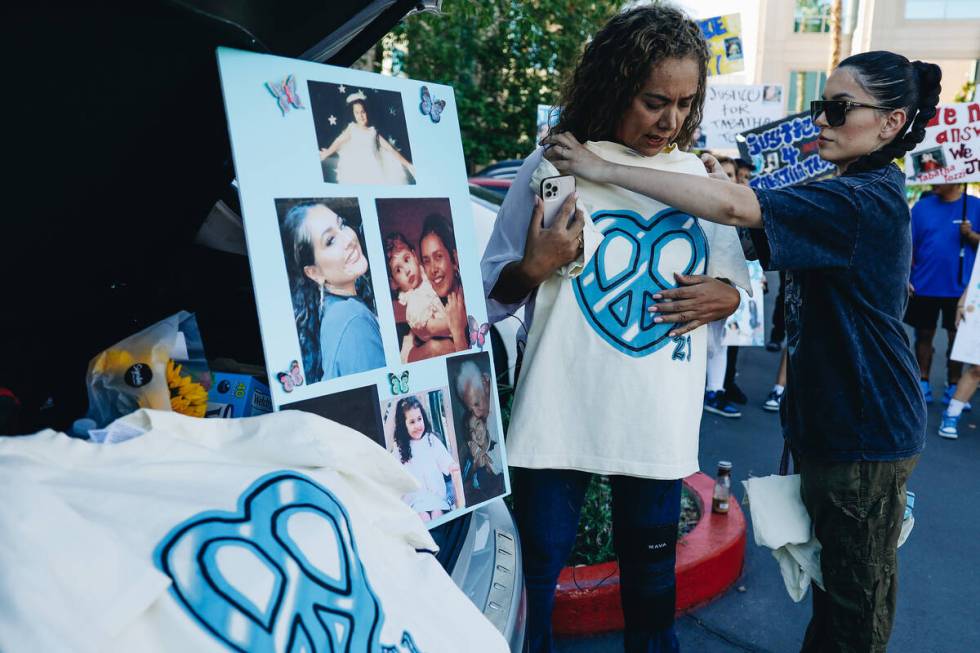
896,83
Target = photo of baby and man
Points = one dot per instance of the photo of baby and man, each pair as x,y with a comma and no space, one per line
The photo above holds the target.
361,135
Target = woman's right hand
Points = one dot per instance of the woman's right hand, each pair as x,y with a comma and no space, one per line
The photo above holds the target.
548,249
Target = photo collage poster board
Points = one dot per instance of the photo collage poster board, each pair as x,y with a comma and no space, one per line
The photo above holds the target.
365,266
950,152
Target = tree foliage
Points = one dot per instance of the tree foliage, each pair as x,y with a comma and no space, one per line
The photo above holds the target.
502,58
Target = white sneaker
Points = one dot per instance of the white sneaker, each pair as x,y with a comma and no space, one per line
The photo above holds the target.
772,401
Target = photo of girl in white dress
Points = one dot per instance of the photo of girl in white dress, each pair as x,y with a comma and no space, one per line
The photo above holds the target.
361,135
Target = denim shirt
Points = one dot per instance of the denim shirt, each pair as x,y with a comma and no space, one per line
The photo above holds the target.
853,383
350,337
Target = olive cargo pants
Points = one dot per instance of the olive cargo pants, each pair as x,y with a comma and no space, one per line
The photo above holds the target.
857,510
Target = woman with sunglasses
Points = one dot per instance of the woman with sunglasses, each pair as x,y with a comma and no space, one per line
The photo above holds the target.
853,414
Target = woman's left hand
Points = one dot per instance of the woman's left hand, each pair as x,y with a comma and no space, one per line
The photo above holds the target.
573,158
697,300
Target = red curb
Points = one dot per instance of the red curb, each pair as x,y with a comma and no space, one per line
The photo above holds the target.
709,561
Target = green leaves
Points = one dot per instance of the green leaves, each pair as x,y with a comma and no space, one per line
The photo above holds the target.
503,58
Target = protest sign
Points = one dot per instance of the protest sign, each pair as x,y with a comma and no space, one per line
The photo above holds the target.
730,109
783,152
966,347
724,36
547,118
746,326
950,152
365,266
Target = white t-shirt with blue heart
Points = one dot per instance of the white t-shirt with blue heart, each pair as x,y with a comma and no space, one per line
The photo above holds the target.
603,388
284,532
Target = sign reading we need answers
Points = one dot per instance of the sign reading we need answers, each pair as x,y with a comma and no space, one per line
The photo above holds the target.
950,152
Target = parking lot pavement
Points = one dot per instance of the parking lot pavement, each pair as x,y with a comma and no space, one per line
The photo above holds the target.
940,581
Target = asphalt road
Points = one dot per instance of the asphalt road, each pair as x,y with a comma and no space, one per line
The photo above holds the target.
939,591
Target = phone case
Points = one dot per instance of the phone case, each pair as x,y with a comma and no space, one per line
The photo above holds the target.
554,192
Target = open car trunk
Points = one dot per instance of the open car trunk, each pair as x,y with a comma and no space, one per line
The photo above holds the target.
120,149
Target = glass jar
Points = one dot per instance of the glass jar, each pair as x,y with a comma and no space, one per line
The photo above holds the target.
723,488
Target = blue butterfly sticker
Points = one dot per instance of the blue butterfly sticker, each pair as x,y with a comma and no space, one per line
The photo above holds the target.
399,385
429,106
286,94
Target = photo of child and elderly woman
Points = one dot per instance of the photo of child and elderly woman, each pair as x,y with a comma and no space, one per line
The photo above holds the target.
361,134
419,433
330,287
423,275
481,458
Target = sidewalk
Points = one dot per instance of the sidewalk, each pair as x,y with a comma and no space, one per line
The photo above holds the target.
939,590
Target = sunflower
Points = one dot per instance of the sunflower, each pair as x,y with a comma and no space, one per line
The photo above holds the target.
186,397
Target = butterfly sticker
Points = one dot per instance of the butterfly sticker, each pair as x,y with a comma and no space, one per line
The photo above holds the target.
478,332
430,107
286,94
399,385
291,379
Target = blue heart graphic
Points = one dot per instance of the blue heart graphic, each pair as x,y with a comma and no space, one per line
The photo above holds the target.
636,260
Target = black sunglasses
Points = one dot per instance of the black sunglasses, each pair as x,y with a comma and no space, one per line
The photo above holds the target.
836,110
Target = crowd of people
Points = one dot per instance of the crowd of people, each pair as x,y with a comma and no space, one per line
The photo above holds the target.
628,404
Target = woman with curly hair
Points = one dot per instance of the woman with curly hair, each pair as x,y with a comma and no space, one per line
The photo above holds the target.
332,300
604,390
425,457
853,414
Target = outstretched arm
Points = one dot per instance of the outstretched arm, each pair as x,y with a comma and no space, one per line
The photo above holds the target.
710,199
326,153
401,159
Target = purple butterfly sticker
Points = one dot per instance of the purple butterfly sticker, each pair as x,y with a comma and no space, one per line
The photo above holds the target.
286,94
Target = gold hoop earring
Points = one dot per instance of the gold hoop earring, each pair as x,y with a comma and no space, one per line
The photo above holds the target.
670,148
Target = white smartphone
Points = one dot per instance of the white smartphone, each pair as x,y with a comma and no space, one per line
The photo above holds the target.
554,192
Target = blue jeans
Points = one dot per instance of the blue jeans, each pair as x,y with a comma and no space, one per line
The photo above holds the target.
645,513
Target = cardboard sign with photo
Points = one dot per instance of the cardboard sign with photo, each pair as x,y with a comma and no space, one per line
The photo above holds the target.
420,434
365,260
423,273
361,134
482,460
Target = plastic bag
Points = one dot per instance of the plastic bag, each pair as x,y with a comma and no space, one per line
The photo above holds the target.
161,367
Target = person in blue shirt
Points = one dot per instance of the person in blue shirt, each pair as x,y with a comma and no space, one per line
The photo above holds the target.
944,242
333,303
853,414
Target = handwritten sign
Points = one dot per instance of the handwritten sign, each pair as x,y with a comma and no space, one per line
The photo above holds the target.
547,117
724,36
730,109
950,152
966,347
784,152
746,326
